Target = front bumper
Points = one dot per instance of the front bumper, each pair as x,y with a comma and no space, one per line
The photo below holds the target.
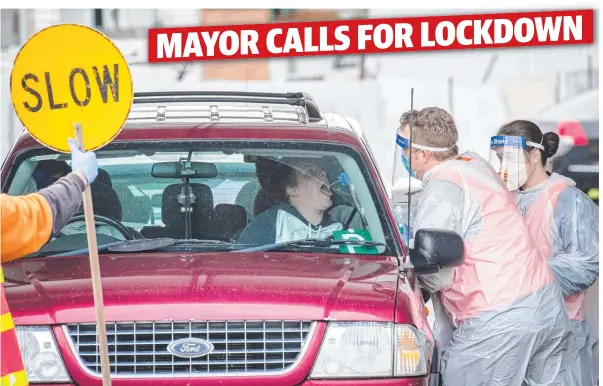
181,382
371,382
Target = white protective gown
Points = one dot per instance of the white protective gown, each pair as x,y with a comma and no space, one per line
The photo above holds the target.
565,224
507,315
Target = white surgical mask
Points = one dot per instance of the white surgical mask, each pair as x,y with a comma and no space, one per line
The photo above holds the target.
518,179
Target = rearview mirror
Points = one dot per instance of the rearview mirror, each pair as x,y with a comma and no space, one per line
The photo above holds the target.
174,170
435,249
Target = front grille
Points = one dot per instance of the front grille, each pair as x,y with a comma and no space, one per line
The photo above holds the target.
240,347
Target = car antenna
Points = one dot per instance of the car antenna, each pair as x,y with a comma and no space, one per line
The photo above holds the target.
412,93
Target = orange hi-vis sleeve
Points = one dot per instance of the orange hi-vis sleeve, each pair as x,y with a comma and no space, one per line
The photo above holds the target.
26,225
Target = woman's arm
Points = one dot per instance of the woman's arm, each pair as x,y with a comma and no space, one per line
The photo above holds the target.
440,207
577,235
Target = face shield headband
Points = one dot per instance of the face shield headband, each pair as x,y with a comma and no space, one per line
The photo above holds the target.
404,144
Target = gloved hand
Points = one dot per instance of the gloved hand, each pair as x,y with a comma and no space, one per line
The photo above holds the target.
83,162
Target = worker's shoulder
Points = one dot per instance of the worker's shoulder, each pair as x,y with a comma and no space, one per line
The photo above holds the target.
32,201
572,197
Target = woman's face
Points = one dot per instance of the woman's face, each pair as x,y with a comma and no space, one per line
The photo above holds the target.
312,189
520,167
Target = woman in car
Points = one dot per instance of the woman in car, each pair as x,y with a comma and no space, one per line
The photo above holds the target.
564,222
300,212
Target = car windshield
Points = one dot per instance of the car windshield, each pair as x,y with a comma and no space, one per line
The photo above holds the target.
208,196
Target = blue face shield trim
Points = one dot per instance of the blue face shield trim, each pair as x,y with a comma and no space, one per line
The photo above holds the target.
406,164
403,143
507,141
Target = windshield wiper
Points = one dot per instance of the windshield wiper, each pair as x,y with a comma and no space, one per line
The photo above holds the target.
315,243
165,244
143,245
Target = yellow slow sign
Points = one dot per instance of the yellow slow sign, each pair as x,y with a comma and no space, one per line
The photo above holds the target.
68,74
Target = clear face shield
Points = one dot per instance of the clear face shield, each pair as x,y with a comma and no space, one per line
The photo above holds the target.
509,158
402,164
405,180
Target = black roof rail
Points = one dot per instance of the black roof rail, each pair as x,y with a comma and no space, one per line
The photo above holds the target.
291,98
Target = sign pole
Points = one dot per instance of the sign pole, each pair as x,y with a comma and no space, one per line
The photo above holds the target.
66,77
95,272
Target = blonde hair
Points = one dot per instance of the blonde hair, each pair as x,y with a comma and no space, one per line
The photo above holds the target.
435,127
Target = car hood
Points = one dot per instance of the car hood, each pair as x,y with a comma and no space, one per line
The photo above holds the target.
204,286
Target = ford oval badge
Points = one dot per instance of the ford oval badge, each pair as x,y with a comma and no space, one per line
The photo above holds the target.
190,348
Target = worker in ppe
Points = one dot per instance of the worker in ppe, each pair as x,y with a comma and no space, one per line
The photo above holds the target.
28,222
562,220
509,324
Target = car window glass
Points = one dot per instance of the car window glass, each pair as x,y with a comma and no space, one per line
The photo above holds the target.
226,202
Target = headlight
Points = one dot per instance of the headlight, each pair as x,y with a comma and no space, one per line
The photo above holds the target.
370,350
41,357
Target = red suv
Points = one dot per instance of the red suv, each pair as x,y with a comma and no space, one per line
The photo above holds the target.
186,302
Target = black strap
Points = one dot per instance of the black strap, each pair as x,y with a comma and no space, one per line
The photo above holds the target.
350,217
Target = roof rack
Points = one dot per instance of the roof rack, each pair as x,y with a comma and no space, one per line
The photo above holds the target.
219,106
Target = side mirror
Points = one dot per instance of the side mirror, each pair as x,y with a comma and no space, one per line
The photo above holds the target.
435,249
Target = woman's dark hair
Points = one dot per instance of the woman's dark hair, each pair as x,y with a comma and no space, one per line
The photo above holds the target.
274,178
532,133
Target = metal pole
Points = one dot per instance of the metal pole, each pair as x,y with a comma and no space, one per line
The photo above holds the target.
22,17
490,68
590,73
365,14
451,95
558,88
362,70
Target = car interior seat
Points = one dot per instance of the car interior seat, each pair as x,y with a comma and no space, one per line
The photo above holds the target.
48,172
229,221
105,200
246,197
106,203
136,208
173,218
263,201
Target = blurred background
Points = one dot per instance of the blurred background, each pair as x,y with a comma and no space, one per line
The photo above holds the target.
555,86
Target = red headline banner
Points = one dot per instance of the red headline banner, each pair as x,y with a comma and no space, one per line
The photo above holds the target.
371,36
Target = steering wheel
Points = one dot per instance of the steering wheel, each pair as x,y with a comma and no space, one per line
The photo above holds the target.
109,221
